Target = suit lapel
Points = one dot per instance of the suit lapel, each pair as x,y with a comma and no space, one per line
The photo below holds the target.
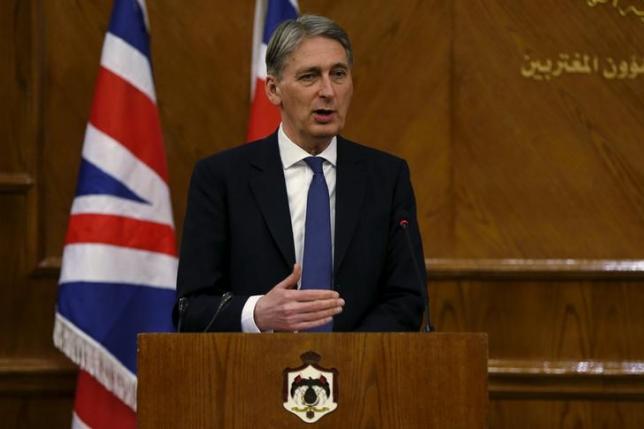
349,196
269,189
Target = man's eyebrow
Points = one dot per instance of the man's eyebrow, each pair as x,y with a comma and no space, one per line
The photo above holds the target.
318,69
315,69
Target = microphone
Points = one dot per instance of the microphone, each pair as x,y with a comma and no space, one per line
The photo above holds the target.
182,306
225,299
404,224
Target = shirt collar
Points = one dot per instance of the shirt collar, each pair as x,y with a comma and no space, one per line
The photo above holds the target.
291,153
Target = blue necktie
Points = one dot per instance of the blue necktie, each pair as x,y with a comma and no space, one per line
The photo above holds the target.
317,265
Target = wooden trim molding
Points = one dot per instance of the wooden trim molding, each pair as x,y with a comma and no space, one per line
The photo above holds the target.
493,269
37,376
566,368
48,267
15,182
511,379
508,379
534,269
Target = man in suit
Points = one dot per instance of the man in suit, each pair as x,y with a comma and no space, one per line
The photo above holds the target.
301,230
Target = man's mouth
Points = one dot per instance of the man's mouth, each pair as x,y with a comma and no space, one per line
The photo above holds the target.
323,115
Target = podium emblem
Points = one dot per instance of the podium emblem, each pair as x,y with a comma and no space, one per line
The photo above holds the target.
310,391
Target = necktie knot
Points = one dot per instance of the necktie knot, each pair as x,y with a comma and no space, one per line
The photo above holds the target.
315,163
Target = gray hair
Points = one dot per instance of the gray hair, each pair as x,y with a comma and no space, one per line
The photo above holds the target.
289,34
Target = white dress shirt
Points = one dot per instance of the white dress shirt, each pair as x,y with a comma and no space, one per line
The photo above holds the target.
298,176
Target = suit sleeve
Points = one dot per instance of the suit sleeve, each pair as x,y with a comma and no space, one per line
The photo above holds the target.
203,275
401,300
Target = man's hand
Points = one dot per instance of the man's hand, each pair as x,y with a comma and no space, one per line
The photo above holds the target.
284,308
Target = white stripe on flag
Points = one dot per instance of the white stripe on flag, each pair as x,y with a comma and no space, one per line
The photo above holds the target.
77,423
116,160
109,205
122,59
258,31
258,59
113,264
261,66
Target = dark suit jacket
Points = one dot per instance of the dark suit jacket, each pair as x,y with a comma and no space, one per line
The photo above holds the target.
237,237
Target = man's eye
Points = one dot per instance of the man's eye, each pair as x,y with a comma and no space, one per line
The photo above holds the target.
339,73
306,77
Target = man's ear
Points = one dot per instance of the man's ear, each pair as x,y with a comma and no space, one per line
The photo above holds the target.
273,90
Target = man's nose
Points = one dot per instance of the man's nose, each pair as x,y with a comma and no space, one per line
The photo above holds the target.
326,87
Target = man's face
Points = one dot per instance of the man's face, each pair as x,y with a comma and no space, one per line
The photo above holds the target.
313,92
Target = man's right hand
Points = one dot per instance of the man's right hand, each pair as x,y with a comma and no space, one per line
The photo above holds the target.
285,308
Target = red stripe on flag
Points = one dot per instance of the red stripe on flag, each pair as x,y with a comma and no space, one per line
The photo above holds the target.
121,231
264,116
127,115
99,408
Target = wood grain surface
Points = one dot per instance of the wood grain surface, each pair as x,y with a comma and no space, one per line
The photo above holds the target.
384,380
545,168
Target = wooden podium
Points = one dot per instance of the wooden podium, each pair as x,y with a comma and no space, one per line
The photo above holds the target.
384,380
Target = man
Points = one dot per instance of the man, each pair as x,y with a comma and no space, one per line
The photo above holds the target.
300,231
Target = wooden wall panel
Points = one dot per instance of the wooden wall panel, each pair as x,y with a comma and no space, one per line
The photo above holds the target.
539,414
201,58
36,393
13,261
546,320
562,344
36,412
32,395
549,168
72,38
17,86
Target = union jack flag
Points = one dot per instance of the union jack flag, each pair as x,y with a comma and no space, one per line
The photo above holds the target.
119,263
264,117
